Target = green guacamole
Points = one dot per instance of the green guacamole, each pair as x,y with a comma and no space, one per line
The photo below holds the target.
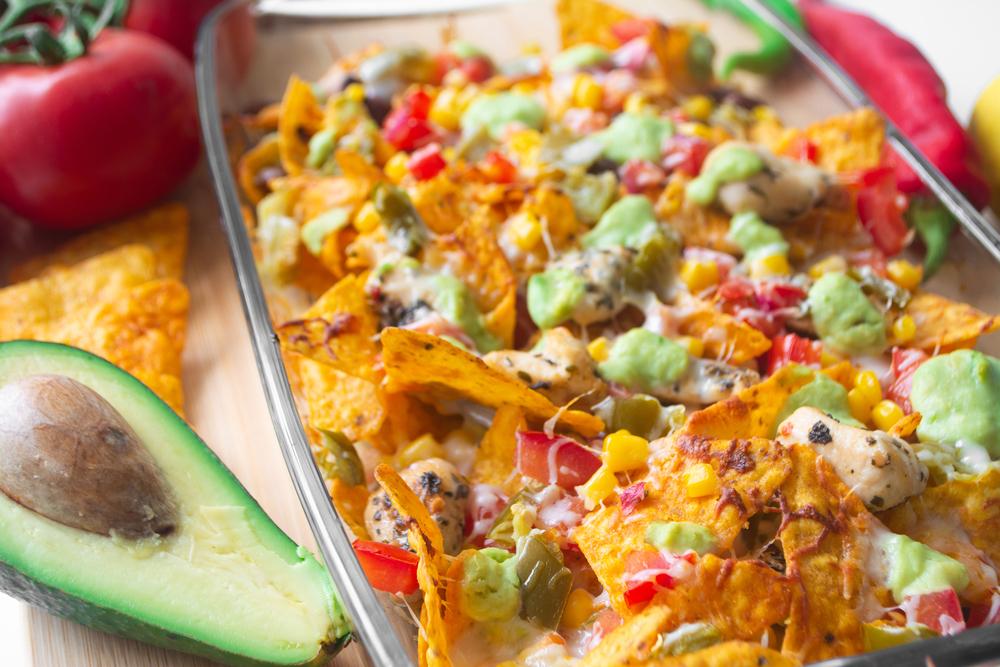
643,360
553,295
678,537
490,590
496,112
634,136
825,395
580,56
315,231
724,165
915,568
453,300
844,317
629,222
958,395
755,237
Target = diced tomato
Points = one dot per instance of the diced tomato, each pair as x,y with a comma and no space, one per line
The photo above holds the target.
628,29
647,572
773,295
407,127
389,568
904,364
685,153
803,150
497,168
789,348
477,68
880,208
764,305
426,162
873,258
555,459
986,613
940,611
444,62
639,175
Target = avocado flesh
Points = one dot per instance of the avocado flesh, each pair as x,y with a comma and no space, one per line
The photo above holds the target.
227,584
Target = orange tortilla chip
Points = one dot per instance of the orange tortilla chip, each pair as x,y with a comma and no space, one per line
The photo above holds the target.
906,426
300,117
631,642
350,504
265,154
852,141
698,226
944,325
440,203
588,21
418,362
729,654
495,455
164,230
725,337
407,418
337,401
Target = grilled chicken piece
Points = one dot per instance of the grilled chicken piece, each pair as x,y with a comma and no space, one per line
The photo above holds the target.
603,272
706,381
880,468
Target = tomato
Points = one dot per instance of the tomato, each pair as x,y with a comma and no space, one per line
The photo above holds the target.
176,23
647,572
389,568
477,68
486,503
803,150
555,459
426,162
985,613
940,611
880,208
789,348
98,137
684,153
407,127
904,364
497,168
764,304
628,29
637,176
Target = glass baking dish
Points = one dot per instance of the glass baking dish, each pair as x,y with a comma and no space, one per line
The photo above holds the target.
244,59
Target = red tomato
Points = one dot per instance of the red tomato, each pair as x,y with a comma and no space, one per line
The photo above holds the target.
497,168
904,364
985,613
477,68
555,459
880,208
789,348
628,29
647,572
389,568
98,137
640,175
426,162
684,153
407,127
444,62
176,23
940,611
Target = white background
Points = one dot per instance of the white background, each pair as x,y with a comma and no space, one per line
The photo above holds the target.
960,37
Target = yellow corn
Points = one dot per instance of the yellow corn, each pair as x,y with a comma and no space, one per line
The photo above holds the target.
396,168
832,264
868,382
699,275
904,329
598,487
698,107
886,414
445,109
700,480
624,451
598,349
770,266
367,218
764,113
524,88
699,130
865,395
635,103
695,346
525,145
827,358
905,274
579,607
525,230
587,93
355,92
424,447
449,153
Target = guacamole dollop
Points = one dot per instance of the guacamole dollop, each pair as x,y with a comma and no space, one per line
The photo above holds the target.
958,395
678,537
580,56
553,295
453,300
844,317
496,112
915,568
755,237
824,394
644,360
490,589
725,165
633,136
629,222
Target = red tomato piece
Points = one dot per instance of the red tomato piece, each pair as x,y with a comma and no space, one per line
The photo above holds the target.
880,208
477,68
873,258
628,29
407,127
789,348
685,153
486,502
426,162
646,574
639,175
444,62
940,611
389,568
498,168
803,150
986,613
555,459
905,363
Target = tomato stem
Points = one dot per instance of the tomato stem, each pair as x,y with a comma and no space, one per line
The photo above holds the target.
49,32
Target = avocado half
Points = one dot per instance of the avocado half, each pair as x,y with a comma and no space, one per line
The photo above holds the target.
224,582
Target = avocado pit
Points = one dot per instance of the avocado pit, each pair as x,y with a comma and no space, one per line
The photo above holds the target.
69,455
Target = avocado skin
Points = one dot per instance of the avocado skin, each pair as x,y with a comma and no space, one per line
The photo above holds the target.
60,603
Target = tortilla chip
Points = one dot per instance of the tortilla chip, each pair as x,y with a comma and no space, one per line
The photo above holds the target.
729,654
407,418
753,413
906,426
164,230
265,154
349,502
852,141
749,472
337,401
944,325
339,330
420,362
631,642
671,46
698,226
725,337
455,621
495,455
440,203
300,117
823,538
588,21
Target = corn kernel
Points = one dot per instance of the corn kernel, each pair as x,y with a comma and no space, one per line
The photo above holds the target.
695,346
524,88
444,110
396,168
449,153
587,93
764,113
699,130
579,607
868,382
886,414
700,480
355,92
598,487
865,395
525,144
624,451
367,218
698,107
832,264
827,358
904,329
699,275
770,266
465,96
424,447
598,349
525,230
905,274
636,103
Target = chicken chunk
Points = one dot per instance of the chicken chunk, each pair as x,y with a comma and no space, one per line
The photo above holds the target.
443,491
706,381
559,367
880,468
603,271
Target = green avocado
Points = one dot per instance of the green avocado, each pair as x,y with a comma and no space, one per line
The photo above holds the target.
678,537
644,360
844,317
633,136
579,57
726,164
490,590
553,295
755,237
824,394
629,222
154,539
915,568
496,112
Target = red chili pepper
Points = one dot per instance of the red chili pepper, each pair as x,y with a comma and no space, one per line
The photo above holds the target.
389,568
407,127
555,459
790,348
498,168
905,363
905,86
427,162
